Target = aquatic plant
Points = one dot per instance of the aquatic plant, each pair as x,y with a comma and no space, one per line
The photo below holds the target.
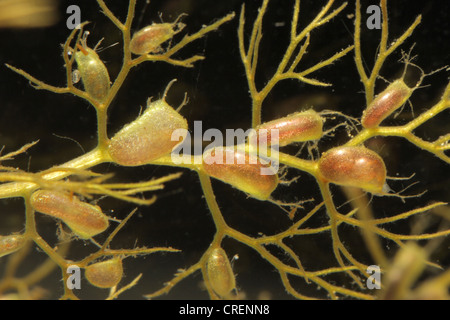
319,229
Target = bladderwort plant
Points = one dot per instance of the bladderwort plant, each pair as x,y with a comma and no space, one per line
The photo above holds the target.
130,220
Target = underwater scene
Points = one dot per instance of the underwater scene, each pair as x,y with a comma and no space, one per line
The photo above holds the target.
224,150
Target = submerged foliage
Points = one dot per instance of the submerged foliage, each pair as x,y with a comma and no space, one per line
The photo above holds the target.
321,244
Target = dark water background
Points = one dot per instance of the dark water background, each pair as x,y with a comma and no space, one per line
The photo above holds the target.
218,96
